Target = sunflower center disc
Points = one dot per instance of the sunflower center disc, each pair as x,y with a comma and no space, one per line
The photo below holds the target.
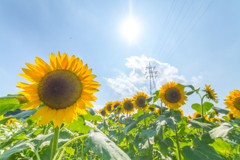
109,107
172,95
140,101
60,89
237,103
115,106
103,112
128,106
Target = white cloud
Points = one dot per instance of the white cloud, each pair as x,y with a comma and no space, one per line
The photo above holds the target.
196,80
127,86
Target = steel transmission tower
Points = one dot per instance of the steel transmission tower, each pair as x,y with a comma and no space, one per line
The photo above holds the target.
152,74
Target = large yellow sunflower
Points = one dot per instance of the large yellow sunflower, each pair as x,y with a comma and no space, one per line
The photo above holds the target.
115,105
139,102
233,103
210,93
109,107
65,87
127,106
173,95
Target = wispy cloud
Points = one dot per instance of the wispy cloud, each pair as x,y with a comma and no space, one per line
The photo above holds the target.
128,85
196,80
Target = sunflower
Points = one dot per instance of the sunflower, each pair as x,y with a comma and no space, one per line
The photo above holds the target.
102,112
139,101
196,115
153,109
173,95
109,107
210,93
230,116
216,113
115,105
64,87
127,106
189,117
181,111
233,103
10,120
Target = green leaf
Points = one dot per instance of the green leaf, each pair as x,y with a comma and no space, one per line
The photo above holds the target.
79,126
92,111
156,96
93,117
134,123
190,86
18,116
207,138
197,124
201,151
104,147
221,131
4,108
220,110
150,98
176,116
206,107
189,93
222,147
70,150
196,107
130,126
121,136
161,122
17,136
148,133
164,145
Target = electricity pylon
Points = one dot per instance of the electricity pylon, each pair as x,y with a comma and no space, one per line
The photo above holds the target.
152,74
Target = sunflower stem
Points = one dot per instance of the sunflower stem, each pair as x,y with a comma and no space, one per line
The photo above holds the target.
202,110
82,149
55,142
178,146
38,157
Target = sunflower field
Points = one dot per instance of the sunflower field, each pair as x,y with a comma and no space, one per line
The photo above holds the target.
53,118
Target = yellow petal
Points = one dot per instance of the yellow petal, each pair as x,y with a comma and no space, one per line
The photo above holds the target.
64,61
42,64
48,116
40,112
80,104
36,77
31,105
58,119
81,111
53,61
68,115
89,104
27,78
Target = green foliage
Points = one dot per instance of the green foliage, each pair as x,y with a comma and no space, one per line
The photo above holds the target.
207,106
104,147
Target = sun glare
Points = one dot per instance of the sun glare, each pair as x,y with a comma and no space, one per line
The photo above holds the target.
130,29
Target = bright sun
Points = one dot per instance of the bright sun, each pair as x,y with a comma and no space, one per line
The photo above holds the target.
130,29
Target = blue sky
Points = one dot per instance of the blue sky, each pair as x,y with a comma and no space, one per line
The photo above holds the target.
191,42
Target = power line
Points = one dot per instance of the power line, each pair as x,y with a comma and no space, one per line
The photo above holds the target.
178,25
170,29
164,24
191,29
